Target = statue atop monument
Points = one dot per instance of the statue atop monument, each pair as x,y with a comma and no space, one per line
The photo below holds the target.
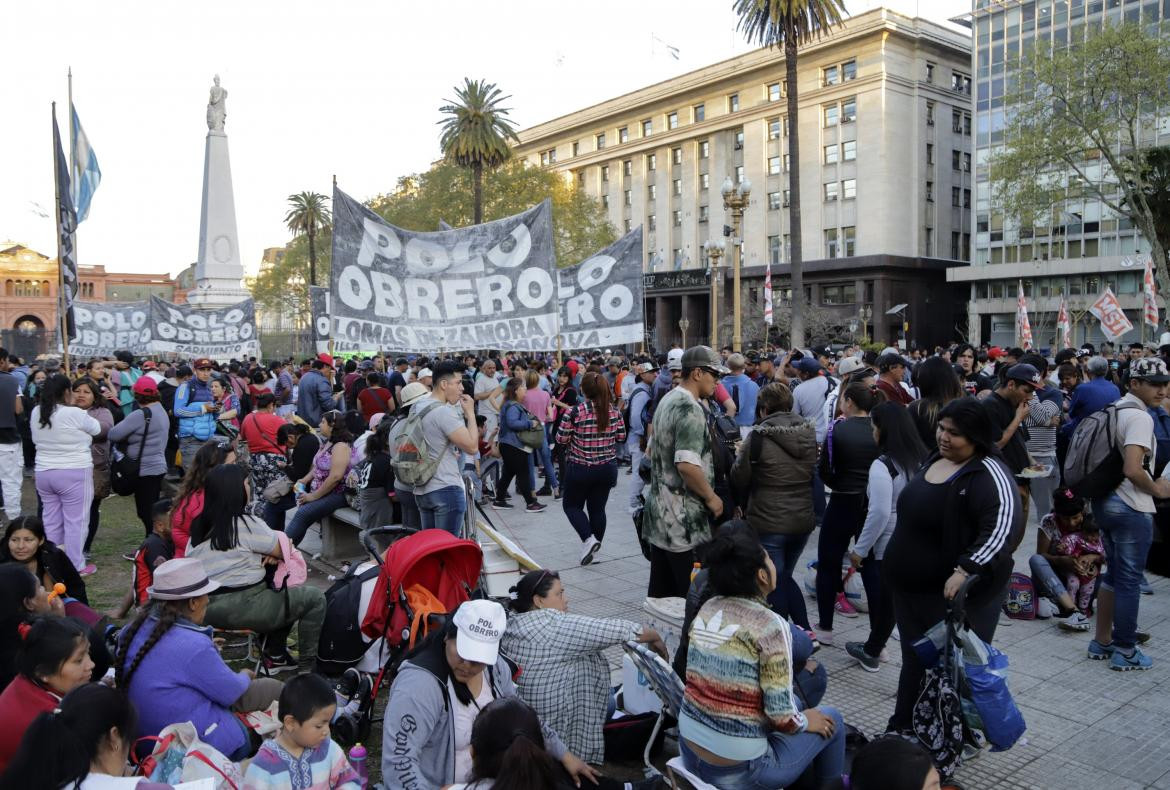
216,107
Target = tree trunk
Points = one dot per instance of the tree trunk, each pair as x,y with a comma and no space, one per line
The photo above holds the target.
312,257
796,338
477,192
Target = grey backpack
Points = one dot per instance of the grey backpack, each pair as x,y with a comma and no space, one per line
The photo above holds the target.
415,463
1094,465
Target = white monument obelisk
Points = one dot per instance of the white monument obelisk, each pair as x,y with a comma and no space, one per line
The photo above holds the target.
218,271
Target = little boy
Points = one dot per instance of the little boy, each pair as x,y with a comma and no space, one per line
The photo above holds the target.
154,551
302,755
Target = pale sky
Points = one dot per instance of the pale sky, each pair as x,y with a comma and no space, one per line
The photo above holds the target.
351,87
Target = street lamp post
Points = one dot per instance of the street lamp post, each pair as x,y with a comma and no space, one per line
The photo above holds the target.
684,324
865,313
735,200
715,248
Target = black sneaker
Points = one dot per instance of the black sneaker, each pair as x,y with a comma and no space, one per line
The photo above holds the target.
348,684
544,491
537,507
279,663
558,493
501,503
868,663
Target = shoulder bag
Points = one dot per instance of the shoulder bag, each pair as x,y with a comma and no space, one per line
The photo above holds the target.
124,471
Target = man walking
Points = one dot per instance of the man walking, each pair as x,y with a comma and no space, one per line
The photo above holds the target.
640,395
11,457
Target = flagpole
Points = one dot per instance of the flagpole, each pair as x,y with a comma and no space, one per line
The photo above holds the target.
72,170
61,319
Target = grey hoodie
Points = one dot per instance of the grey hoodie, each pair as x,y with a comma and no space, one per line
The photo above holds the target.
418,733
780,480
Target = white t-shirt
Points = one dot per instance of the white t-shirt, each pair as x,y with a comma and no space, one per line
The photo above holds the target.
463,716
1135,426
65,443
487,407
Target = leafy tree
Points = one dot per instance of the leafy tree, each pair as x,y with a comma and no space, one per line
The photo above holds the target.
1155,168
789,24
476,132
308,214
1079,125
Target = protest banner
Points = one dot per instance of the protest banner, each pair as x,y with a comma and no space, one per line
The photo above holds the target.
485,286
219,333
601,298
103,328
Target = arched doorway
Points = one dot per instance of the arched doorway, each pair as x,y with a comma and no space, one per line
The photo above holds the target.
28,337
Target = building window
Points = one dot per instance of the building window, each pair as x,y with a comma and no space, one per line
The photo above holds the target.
955,236
929,71
605,201
786,193
773,165
580,178
651,161
647,128
738,139
849,110
577,148
627,168
626,225
830,76
831,154
956,193
966,163
651,222
677,256
930,113
774,91
967,124
966,198
676,186
548,157
957,121
704,180
849,150
704,213
733,103
929,241
956,159
624,134
830,191
773,201
699,112
930,153
600,141
774,250
739,174
704,149
629,198
652,192
605,172
848,70
929,191
672,120
831,113
839,294
676,155
960,83
676,218
849,189
831,243
774,129
786,163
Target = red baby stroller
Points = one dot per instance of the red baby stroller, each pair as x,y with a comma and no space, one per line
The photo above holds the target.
424,575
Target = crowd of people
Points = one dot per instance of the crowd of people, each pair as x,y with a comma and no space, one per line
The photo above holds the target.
913,471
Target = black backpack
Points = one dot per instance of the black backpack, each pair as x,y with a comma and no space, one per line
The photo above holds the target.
341,645
724,443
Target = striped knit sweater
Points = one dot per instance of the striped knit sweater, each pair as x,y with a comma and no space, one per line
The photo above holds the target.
739,677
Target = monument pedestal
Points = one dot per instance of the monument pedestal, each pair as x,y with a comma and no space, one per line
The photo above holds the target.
218,271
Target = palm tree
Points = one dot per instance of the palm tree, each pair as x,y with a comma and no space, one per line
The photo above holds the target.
790,24
308,214
476,132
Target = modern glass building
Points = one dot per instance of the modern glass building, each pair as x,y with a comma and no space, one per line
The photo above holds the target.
1089,247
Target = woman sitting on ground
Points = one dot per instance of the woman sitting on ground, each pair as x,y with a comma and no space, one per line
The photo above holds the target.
234,549
25,543
507,750
189,499
172,671
84,744
453,674
53,659
740,723
322,490
566,677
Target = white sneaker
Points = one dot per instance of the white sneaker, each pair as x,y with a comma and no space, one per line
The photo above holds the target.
1046,609
823,636
895,635
1074,622
590,547
884,657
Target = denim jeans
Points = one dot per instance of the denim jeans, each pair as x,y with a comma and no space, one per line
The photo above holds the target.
1044,578
409,504
782,764
1127,534
550,470
786,600
310,513
443,509
274,511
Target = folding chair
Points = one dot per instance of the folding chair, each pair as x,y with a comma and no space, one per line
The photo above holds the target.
664,683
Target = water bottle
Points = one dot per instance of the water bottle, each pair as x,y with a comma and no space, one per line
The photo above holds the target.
357,759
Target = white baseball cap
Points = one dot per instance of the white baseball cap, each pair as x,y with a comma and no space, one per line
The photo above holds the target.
481,625
674,359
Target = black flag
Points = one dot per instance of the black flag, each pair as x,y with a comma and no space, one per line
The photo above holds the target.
66,226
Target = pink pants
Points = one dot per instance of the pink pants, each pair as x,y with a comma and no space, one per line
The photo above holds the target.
66,495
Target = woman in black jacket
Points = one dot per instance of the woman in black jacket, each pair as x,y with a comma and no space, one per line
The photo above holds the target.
959,517
25,543
844,466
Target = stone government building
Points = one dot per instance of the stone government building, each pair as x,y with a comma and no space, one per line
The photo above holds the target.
886,177
28,299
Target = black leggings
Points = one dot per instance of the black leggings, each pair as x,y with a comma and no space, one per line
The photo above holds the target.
844,517
146,493
515,466
880,598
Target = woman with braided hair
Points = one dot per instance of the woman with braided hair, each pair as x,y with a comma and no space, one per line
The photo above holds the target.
172,671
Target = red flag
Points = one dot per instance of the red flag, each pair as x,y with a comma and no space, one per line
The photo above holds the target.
1149,292
1023,326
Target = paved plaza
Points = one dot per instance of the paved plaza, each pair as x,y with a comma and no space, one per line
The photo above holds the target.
1088,727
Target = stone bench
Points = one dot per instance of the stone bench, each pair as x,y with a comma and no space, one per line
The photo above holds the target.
340,533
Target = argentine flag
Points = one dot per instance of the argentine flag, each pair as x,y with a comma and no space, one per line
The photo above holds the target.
86,173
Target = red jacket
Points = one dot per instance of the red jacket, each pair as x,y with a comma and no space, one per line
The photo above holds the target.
20,703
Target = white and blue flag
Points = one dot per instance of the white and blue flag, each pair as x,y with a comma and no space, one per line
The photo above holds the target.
86,173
